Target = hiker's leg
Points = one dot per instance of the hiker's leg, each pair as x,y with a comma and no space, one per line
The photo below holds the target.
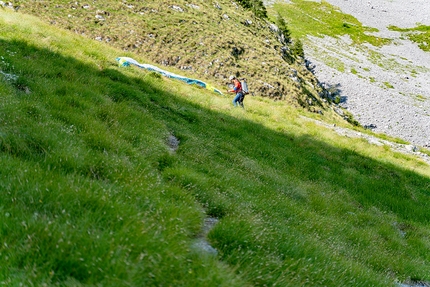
236,100
241,100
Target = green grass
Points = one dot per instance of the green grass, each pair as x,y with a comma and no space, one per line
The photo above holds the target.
425,151
209,42
388,85
335,63
421,98
93,196
419,35
320,18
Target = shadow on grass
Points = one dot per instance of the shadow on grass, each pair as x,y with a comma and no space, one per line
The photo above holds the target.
223,161
216,135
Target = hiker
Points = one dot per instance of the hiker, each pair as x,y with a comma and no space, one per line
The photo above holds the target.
238,90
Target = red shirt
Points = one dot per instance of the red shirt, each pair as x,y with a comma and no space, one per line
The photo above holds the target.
237,87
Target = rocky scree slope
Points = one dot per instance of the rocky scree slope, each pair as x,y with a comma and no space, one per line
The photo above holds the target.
211,39
386,87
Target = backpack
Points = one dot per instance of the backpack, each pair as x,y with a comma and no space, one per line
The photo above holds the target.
244,85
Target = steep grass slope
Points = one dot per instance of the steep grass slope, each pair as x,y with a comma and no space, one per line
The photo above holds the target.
94,195
212,39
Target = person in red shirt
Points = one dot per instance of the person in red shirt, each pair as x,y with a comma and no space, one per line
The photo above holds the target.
238,90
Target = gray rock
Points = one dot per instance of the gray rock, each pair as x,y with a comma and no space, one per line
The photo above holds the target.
177,8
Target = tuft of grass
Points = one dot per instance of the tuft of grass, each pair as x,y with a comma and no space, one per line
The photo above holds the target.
421,98
388,85
419,35
426,151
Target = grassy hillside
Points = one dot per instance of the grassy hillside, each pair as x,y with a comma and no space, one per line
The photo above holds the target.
94,193
211,39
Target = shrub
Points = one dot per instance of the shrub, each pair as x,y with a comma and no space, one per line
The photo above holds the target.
297,49
256,6
283,29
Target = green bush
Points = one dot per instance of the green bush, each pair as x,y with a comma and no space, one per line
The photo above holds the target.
283,29
297,49
256,6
